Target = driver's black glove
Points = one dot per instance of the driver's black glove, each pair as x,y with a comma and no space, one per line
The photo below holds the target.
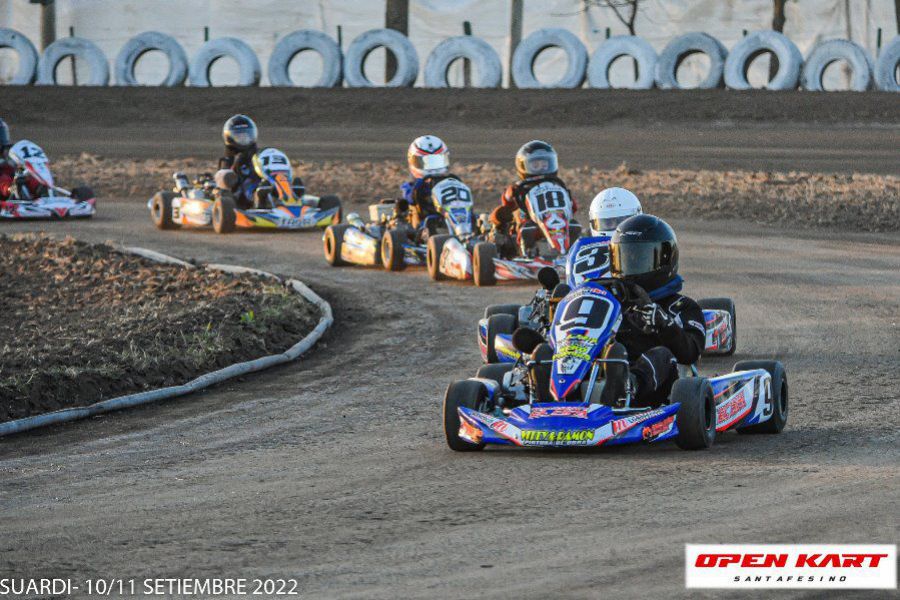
652,319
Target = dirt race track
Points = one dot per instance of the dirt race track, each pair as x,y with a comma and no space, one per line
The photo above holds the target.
334,470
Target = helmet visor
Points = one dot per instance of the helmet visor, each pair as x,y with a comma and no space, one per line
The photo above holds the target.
431,162
540,163
243,137
635,258
607,224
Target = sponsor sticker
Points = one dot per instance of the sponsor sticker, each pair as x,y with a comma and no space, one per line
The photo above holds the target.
620,425
558,436
538,412
794,566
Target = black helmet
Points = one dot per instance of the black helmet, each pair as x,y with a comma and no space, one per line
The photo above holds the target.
239,132
536,158
4,134
644,250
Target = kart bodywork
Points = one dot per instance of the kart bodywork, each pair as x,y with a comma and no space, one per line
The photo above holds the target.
58,203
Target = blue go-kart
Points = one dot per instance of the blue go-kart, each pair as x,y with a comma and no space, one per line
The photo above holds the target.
572,388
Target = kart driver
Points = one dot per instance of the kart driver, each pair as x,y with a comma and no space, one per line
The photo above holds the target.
536,162
13,180
429,162
663,328
236,172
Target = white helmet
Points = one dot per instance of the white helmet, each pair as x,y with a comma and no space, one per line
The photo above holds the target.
428,155
610,207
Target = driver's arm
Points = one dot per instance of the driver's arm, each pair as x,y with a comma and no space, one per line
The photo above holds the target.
687,340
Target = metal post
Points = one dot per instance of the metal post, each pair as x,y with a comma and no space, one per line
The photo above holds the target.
206,33
48,21
396,16
515,34
74,64
467,65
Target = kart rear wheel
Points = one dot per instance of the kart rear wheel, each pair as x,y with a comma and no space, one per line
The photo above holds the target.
468,394
332,241
433,255
224,214
502,309
483,264
498,324
161,210
726,304
779,395
696,417
329,202
495,372
392,254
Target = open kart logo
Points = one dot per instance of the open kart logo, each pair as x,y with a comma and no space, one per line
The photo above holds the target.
797,566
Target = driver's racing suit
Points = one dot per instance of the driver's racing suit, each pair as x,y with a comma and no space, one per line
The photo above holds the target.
241,162
511,217
27,184
417,194
657,336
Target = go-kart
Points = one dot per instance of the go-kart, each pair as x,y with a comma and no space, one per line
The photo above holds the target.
52,202
587,260
544,242
390,240
279,202
574,389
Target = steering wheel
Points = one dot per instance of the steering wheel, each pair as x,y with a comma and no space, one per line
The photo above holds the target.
628,294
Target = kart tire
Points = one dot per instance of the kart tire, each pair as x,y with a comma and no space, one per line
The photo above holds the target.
790,61
779,395
161,210
224,214
623,45
294,43
502,309
433,252
329,202
483,264
394,42
82,193
332,241
830,51
213,50
686,45
522,68
392,253
723,304
494,372
468,394
696,417
498,324
885,72
482,56
145,42
28,56
74,47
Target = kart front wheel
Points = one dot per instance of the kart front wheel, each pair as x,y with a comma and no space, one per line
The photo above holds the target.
779,395
498,324
392,254
727,305
696,417
330,202
483,264
83,193
161,210
494,372
433,255
502,309
332,241
224,214
468,394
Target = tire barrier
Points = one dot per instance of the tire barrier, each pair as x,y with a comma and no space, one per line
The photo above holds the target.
294,43
683,46
395,42
484,59
615,47
28,56
213,50
789,61
146,42
831,51
886,67
75,47
202,382
522,70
